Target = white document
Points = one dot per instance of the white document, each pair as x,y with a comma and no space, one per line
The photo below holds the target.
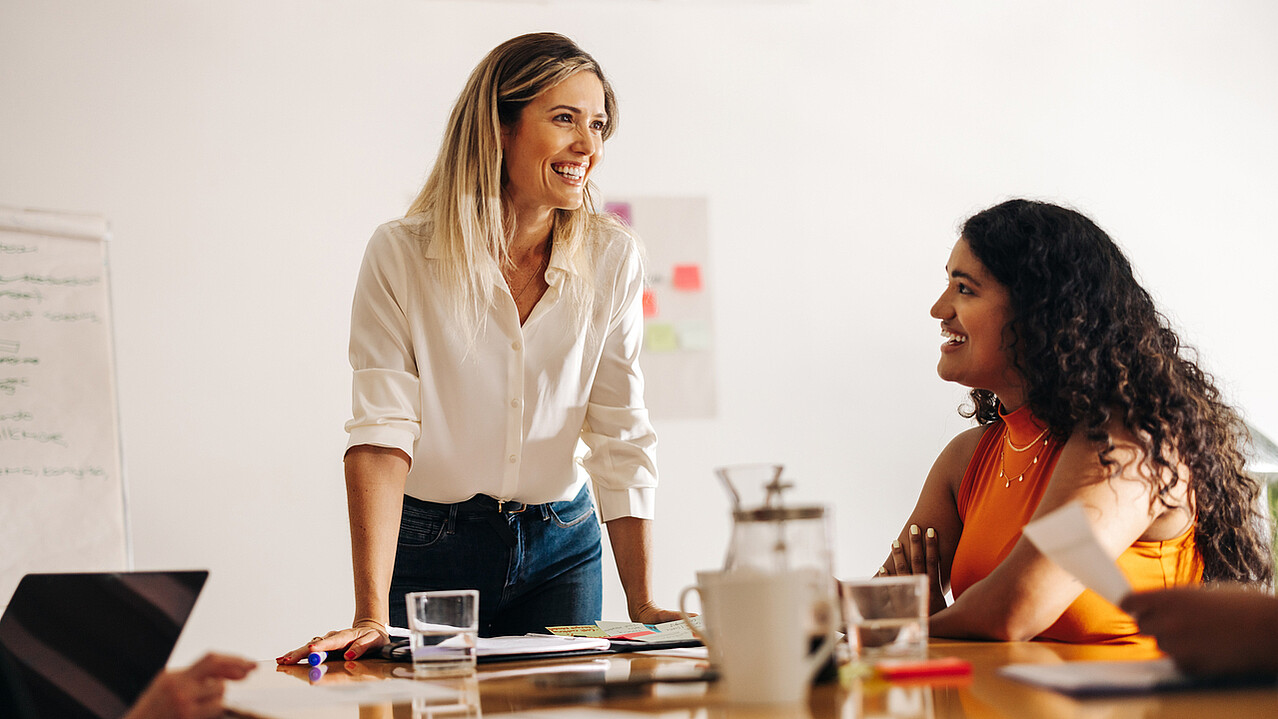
676,630
613,629
1100,677
1066,537
536,644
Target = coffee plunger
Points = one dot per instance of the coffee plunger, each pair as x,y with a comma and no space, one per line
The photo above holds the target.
773,536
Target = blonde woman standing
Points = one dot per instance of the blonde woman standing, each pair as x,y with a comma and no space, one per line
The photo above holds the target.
495,325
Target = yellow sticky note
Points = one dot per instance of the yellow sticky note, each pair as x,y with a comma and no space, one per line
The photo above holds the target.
660,337
577,630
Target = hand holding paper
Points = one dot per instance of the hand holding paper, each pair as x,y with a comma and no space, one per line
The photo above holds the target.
1065,536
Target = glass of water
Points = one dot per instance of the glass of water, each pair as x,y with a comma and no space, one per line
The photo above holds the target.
444,629
886,617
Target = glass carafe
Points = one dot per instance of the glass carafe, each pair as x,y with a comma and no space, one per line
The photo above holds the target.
772,537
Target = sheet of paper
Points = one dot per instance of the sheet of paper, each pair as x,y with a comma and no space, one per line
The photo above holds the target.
676,630
1066,537
671,631
613,629
535,644
1100,677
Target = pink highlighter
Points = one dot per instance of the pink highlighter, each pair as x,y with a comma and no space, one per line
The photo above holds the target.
906,669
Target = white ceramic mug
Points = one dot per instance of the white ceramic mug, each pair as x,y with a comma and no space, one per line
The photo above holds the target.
758,632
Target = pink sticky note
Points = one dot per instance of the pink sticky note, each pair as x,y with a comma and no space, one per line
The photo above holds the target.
687,277
620,209
649,304
631,635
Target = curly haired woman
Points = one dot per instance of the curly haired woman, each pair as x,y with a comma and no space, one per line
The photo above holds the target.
1082,394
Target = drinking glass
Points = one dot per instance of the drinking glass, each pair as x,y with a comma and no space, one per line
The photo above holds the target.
886,617
444,627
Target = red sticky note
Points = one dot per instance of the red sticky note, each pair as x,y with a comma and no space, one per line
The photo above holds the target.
621,210
920,669
649,304
687,277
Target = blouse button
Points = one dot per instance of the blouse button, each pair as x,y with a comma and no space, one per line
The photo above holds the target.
514,403
513,459
516,346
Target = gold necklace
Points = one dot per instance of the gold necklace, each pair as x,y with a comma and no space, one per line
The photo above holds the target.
1008,436
541,268
1002,455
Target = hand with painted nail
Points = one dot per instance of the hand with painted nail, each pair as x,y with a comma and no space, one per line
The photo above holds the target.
921,554
366,635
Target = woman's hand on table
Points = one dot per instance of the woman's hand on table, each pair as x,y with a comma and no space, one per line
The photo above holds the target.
922,555
363,637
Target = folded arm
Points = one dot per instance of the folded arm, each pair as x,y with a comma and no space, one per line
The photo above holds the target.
1026,593
927,542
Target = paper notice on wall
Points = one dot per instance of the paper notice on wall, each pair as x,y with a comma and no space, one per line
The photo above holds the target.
679,347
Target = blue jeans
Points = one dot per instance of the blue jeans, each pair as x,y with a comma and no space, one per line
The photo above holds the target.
535,568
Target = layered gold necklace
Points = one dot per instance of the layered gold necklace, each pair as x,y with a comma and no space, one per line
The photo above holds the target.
1008,444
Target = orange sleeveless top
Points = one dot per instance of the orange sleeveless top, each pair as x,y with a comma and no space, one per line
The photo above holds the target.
999,493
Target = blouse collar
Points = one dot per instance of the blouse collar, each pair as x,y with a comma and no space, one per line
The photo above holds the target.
1022,425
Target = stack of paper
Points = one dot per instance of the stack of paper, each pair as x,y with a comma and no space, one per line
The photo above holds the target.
676,631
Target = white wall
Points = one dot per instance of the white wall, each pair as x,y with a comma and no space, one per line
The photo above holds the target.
244,150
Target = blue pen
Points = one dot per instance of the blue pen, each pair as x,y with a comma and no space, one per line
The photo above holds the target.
335,655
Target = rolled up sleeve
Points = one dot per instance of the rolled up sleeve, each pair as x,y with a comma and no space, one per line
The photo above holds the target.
622,442
386,388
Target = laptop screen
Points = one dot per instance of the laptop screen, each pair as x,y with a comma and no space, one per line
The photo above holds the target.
87,645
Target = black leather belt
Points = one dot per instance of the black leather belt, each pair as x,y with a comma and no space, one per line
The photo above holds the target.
496,512
482,503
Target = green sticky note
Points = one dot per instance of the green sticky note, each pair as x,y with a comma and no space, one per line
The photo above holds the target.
660,337
694,335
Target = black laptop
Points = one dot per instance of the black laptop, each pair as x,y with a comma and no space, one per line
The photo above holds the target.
85,646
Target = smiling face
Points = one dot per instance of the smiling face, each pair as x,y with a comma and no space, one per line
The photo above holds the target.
974,312
557,142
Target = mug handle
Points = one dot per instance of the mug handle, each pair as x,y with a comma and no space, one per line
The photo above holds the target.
817,658
683,612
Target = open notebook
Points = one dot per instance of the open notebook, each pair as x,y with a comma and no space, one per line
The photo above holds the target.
76,646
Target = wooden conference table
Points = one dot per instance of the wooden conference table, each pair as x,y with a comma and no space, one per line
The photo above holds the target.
513,690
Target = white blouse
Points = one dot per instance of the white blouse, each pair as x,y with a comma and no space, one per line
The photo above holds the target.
502,417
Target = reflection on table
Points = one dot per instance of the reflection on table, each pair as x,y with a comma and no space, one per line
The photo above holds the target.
529,688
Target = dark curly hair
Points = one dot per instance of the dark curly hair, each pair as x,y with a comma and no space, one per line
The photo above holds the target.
1092,346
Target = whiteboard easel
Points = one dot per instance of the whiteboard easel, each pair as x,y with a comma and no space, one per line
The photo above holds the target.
63,505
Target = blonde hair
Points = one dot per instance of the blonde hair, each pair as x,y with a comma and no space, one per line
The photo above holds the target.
468,223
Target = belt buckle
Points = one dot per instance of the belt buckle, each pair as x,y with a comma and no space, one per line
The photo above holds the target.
501,507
